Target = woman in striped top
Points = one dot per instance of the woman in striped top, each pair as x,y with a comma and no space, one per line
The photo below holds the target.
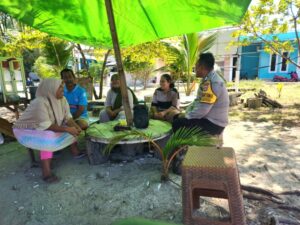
165,103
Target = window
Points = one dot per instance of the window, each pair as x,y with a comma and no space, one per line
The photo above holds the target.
273,63
284,65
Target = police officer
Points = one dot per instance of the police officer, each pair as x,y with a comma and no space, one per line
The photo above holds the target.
209,111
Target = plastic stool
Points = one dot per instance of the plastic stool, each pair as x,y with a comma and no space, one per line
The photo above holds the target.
211,172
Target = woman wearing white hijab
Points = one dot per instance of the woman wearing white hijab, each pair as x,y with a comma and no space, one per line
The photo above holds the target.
47,125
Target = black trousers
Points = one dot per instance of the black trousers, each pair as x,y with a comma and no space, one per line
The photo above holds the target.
204,124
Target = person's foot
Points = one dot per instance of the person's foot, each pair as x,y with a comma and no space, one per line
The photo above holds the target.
51,179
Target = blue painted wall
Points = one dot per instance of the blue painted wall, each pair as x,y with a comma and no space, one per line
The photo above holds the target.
264,71
249,61
255,62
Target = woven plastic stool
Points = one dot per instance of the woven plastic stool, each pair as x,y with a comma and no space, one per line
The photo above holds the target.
211,172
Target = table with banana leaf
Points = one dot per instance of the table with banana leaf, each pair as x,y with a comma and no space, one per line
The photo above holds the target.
130,143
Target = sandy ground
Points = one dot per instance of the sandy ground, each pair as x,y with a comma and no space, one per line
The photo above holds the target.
267,154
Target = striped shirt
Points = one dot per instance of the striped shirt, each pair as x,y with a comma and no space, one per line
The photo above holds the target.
164,100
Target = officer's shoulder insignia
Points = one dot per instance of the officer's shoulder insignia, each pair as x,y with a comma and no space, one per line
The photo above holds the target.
207,96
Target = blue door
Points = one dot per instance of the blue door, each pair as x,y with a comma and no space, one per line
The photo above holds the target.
249,62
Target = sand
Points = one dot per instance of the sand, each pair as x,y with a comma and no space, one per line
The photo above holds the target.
267,154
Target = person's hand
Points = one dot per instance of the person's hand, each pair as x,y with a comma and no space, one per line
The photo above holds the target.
111,114
79,129
161,114
73,130
158,116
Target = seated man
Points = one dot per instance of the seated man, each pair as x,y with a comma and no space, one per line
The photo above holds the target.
113,104
209,111
76,97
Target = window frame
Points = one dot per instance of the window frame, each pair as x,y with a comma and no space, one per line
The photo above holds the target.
286,63
270,62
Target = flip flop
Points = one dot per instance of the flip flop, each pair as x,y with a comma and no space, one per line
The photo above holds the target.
51,179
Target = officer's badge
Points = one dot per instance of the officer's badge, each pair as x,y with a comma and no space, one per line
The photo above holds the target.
207,95
205,86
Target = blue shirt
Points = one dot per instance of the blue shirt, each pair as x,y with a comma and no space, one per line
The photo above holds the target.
77,97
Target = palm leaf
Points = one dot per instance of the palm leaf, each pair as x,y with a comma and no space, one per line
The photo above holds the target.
191,45
2,44
115,140
57,52
186,136
205,42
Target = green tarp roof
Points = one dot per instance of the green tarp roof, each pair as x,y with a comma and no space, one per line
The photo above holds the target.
137,21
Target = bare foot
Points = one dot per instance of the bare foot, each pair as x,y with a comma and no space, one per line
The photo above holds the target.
51,179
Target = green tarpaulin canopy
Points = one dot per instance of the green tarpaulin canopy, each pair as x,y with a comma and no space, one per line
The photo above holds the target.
137,21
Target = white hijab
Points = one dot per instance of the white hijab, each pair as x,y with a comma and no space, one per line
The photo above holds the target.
46,92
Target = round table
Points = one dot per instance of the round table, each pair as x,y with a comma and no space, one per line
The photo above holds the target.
99,135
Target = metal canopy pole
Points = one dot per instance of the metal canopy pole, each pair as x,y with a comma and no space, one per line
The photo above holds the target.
121,73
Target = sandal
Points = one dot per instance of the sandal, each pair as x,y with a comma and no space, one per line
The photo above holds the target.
51,179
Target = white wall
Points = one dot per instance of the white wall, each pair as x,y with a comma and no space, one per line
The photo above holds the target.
223,52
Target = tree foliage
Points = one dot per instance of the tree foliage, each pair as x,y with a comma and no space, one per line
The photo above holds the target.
15,43
266,19
139,60
183,56
95,70
17,40
54,57
57,52
44,70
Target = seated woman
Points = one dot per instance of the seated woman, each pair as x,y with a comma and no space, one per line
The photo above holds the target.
113,104
47,125
165,103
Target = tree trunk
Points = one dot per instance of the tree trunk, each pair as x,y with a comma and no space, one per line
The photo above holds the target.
86,67
102,74
121,73
188,84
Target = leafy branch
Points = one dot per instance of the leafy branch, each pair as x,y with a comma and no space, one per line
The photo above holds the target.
176,144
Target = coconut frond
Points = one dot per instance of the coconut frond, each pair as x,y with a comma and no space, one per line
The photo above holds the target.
205,42
115,140
186,136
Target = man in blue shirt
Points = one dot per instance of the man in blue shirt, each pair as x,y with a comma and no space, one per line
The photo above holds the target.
76,97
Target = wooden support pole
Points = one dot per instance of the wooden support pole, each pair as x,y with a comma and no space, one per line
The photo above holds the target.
238,69
121,73
102,73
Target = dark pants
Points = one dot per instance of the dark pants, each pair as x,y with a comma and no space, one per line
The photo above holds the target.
204,124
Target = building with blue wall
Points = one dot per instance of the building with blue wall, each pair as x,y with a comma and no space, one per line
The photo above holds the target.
256,63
